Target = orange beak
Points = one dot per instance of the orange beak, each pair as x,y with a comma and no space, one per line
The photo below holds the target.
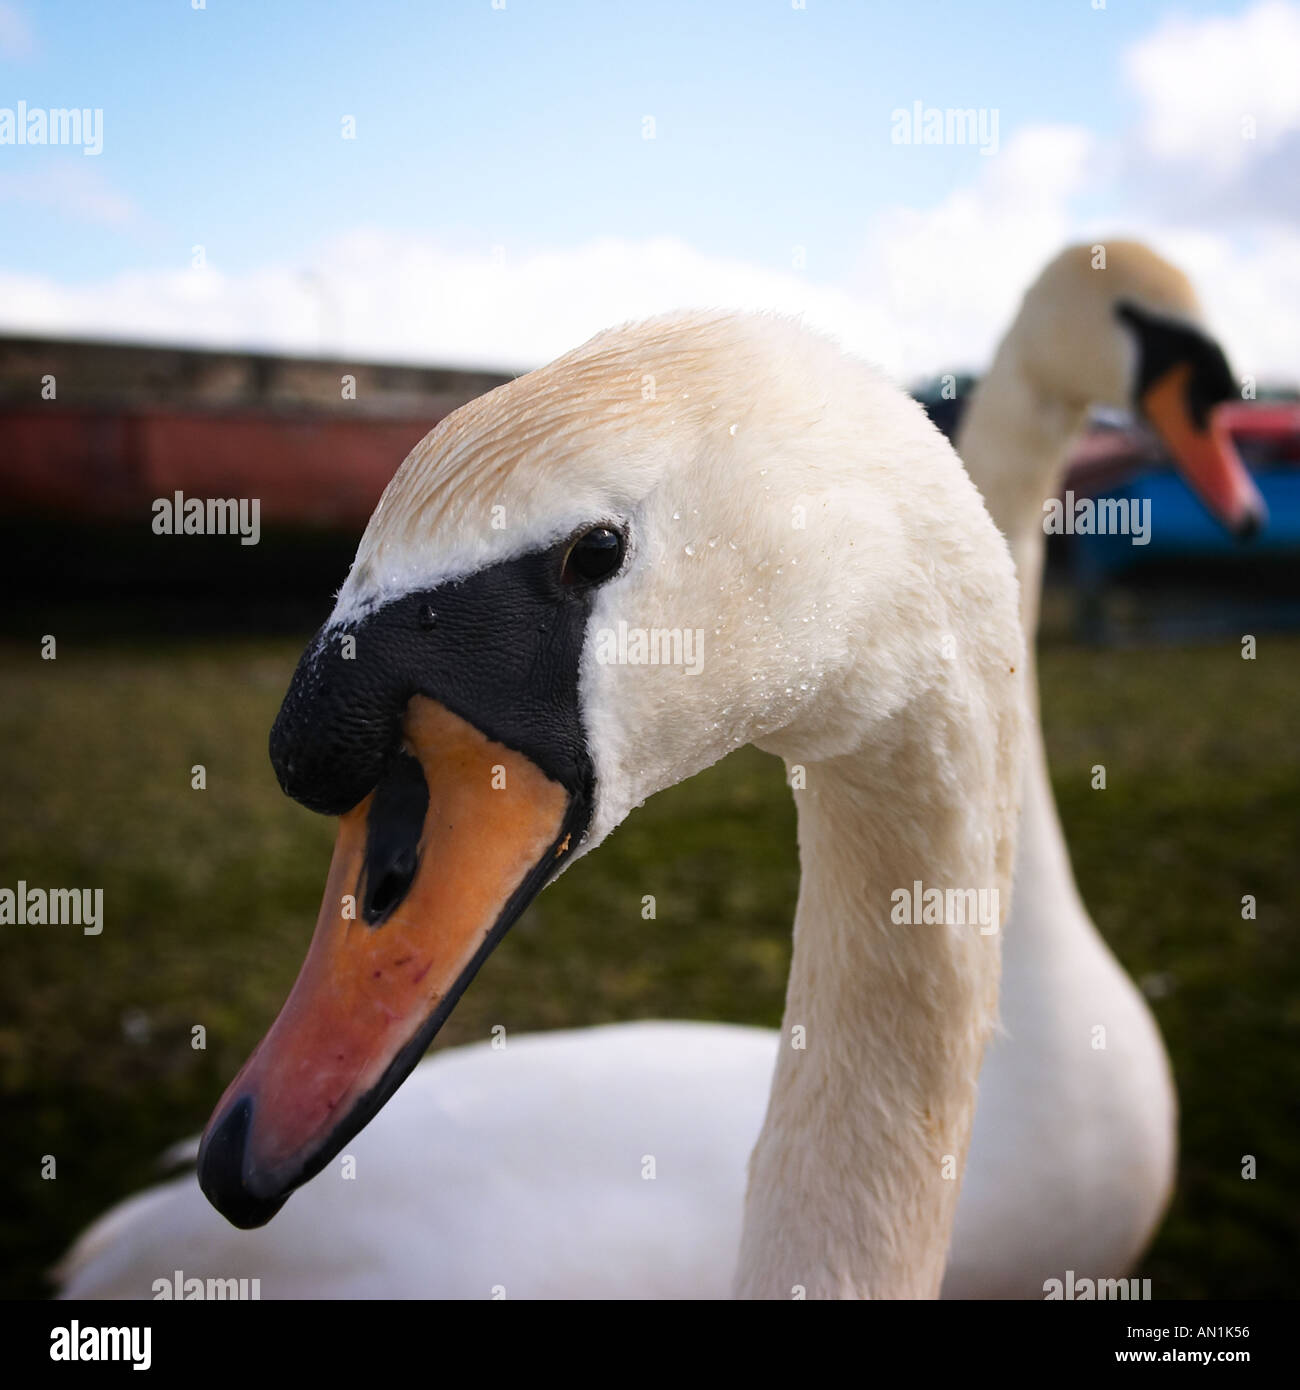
1206,456
418,893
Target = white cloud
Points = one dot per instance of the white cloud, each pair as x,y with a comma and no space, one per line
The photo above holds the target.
1250,288
381,295
1199,80
950,276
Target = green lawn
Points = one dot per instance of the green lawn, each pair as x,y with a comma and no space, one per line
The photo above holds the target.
210,897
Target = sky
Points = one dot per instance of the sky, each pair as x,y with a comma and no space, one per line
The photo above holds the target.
489,182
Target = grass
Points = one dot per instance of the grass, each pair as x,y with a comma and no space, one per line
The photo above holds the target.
210,897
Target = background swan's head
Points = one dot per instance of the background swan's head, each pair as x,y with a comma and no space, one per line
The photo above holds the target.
1114,324
579,589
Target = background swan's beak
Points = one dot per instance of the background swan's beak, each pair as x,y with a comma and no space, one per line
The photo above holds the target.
1204,454
428,873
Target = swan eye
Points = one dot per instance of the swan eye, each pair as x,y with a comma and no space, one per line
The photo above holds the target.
594,556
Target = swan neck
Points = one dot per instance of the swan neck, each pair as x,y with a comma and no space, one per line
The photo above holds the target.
1015,441
854,1179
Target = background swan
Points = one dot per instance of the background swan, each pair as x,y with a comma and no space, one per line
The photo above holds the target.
882,656
1073,1158
1073,1154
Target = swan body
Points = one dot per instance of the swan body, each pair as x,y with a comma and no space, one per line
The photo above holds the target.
524,1171
584,1109
1078,1178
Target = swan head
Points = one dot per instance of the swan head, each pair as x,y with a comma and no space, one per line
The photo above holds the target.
579,589
1125,330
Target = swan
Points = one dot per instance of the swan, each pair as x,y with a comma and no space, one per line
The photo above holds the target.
1073,1157
730,475
1073,1152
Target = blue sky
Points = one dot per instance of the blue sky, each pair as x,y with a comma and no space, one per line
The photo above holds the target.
517,134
